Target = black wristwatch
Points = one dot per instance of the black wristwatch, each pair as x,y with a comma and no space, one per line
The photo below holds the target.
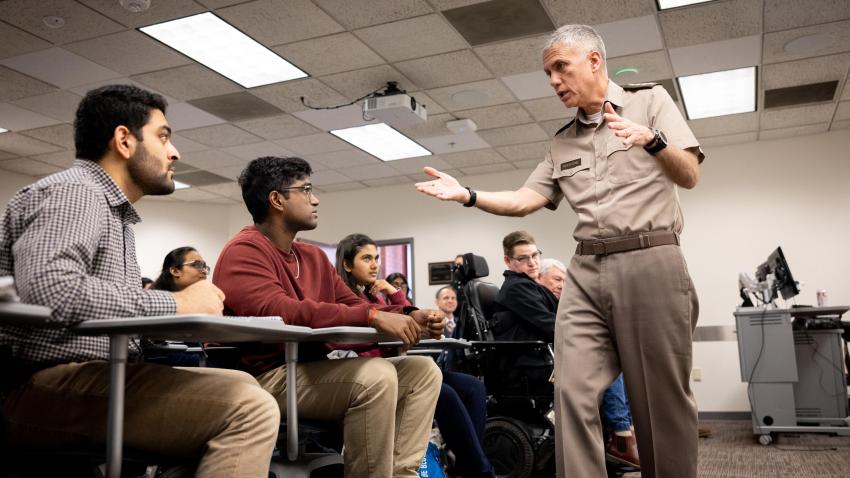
658,143
472,197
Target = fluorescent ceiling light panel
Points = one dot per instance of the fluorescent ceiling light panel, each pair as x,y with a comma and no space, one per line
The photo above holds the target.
719,93
178,185
665,4
214,43
381,141
3,130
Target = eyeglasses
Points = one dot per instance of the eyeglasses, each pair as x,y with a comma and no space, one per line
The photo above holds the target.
525,259
307,189
200,265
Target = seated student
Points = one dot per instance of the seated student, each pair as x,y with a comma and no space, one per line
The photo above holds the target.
181,268
399,281
386,405
68,241
462,405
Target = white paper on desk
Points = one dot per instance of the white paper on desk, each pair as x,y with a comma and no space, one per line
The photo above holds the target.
342,354
7,289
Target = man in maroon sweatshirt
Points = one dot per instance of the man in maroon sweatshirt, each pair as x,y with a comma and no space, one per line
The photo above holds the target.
386,404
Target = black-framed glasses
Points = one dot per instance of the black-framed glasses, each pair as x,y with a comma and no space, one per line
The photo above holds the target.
199,265
525,259
307,189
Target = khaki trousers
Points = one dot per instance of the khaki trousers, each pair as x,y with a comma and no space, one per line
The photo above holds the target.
633,311
386,405
221,416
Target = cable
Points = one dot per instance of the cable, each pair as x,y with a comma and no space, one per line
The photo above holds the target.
369,95
755,365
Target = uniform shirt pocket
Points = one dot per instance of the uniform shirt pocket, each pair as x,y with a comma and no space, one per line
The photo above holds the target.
574,176
628,163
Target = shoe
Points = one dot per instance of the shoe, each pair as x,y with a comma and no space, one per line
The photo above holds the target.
704,432
623,450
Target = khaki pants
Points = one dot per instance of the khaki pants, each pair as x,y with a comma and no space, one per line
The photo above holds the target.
221,416
633,311
386,405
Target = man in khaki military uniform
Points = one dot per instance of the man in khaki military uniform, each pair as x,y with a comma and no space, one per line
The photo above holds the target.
628,303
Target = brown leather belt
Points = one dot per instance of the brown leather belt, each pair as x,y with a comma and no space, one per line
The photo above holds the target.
644,240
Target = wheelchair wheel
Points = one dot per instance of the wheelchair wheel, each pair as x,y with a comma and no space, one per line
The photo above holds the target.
508,445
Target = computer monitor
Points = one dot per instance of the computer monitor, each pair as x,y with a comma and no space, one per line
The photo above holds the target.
783,281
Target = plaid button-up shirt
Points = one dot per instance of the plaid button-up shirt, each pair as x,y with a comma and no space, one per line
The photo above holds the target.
68,241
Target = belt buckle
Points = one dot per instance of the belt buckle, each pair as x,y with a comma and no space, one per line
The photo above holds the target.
599,249
643,240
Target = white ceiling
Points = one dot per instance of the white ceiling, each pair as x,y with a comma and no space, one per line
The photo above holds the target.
352,47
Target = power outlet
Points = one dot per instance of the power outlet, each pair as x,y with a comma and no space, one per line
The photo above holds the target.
696,375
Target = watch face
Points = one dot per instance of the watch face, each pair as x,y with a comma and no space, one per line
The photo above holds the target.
661,136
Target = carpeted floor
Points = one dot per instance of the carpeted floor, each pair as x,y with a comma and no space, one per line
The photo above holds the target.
732,452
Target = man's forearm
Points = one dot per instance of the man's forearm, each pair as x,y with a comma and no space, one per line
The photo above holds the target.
517,203
681,166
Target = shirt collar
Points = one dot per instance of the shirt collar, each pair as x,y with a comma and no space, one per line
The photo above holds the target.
614,95
114,196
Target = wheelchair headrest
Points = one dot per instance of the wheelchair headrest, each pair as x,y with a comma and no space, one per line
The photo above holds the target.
474,267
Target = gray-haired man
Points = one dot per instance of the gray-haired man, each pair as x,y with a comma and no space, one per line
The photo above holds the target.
629,302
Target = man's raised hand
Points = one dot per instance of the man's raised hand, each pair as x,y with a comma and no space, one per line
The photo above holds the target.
444,187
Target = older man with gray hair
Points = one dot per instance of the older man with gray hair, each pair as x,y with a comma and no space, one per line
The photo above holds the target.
629,303
552,275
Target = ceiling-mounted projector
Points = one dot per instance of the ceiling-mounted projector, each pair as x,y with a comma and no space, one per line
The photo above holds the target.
395,107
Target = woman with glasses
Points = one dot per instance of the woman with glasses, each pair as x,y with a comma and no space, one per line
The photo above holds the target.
399,281
461,407
181,268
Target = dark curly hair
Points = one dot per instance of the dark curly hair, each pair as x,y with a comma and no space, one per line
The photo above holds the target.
267,174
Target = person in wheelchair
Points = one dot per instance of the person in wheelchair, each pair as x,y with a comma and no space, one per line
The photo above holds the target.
68,241
461,407
385,404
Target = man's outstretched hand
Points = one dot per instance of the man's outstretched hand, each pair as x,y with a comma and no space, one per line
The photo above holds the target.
444,187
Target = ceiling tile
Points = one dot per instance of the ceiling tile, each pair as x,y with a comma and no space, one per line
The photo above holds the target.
59,67
344,158
338,187
488,169
313,144
28,166
287,96
630,36
181,167
231,190
186,145
447,4
435,126
14,85
83,89
514,134
157,13
80,22
417,177
526,164
20,145
722,125
451,143
528,151
710,22
551,127
192,195
370,171
182,116
61,105
274,22
214,4
784,14
62,159
783,133
548,109
277,127
801,72
335,118
652,66
221,136
416,165
846,94
17,42
324,179
230,172
390,181
836,34
526,86
594,12
210,160
13,118
188,82
473,158
236,106
843,111
801,94
60,135
497,116
728,139
499,20
412,38
361,13
839,125
358,83
330,54
445,69
792,117
512,57
257,150
129,52
472,95
716,56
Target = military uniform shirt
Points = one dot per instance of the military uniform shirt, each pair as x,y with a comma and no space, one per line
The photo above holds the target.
616,190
